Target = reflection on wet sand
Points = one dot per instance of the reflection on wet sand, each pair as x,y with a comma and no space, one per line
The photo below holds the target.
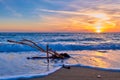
93,58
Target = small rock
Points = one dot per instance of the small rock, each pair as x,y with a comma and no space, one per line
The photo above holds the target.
98,76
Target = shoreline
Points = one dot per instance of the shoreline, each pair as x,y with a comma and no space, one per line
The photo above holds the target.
99,58
80,73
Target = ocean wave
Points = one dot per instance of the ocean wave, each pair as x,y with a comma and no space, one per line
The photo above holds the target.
73,40
92,39
60,47
29,76
60,40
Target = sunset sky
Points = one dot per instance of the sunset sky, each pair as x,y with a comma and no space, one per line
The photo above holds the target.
60,16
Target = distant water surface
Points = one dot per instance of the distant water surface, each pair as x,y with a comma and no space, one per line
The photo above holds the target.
62,41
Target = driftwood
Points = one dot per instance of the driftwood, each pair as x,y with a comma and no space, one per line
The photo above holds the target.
51,57
54,54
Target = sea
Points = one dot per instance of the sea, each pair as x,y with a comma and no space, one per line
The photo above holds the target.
91,50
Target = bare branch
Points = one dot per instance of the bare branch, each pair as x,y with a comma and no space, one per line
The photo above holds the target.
34,45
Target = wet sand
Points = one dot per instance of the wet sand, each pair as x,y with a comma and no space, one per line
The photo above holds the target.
81,73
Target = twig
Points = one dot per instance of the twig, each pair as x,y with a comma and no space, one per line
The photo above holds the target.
47,48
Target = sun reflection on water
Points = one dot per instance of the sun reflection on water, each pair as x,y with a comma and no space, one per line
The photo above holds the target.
95,59
98,60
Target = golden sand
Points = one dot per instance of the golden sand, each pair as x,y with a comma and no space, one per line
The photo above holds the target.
80,73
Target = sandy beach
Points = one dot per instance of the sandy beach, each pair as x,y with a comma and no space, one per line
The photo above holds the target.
80,73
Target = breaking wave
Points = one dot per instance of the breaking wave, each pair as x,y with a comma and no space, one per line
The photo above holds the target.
60,47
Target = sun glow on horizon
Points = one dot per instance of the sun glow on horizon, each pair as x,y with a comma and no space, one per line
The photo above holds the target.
98,31
101,22
98,27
